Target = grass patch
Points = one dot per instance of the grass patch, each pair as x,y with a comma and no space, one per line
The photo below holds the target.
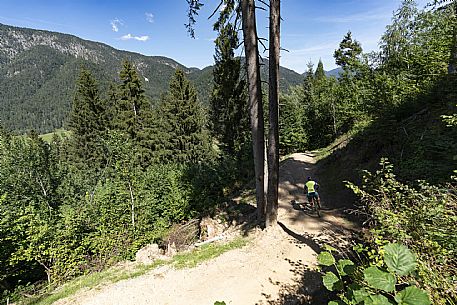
116,274
92,280
47,137
206,252
340,142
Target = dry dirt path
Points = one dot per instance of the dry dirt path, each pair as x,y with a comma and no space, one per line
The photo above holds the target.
275,268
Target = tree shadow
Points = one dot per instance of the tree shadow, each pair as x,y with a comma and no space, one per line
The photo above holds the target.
304,238
307,288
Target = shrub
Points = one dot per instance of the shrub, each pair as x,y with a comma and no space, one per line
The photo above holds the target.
421,217
372,284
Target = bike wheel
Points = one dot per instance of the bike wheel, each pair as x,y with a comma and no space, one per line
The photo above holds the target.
317,206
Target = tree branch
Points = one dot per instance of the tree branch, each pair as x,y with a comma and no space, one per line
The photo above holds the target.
263,45
261,8
264,3
217,8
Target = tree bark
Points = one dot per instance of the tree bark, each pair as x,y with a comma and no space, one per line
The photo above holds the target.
255,100
273,134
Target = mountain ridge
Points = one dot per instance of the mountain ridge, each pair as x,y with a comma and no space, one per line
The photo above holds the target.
39,68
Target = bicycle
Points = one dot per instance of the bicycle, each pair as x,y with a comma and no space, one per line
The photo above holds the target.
315,204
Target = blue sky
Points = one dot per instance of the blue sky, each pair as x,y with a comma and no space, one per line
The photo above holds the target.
311,29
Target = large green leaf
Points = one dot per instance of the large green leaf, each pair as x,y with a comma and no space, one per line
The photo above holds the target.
399,259
357,293
377,299
412,296
332,282
379,279
336,302
325,259
345,267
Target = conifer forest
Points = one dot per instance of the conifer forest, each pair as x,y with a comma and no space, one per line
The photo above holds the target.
134,162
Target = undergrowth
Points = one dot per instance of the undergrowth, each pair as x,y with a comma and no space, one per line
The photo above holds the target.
422,217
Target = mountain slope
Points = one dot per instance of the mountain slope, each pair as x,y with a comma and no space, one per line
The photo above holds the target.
38,70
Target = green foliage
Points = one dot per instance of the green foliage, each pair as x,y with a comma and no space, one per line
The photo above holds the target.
181,118
325,259
399,259
412,295
228,102
38,81
65,212
87,122
131,108
206,252
292,123
332,282
451,120
379,279
421,217
348,54
368,284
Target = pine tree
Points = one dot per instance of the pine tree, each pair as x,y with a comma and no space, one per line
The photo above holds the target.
132,112
87,122
131,103
183,135
308,83
320,73
228,110
348,53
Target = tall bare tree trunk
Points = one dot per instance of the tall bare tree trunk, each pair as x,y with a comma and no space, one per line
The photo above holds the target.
273,134
255,100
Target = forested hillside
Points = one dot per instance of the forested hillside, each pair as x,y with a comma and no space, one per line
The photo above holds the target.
38,70
142,156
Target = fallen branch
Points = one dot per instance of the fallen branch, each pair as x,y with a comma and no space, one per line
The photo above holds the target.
209,241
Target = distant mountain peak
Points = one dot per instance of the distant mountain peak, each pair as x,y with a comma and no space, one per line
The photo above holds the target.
38,70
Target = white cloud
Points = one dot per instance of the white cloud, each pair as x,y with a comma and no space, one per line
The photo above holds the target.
149,17
115,24
139,38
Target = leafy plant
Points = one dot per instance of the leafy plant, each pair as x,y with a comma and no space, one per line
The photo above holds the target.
372,284
421,217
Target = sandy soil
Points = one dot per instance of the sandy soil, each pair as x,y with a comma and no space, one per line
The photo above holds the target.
276,268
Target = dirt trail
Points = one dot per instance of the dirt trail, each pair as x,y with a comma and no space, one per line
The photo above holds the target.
276,268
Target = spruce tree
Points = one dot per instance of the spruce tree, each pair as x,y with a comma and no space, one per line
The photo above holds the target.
132,111
348,53
228,103
131,104
183,136
320,73
87,122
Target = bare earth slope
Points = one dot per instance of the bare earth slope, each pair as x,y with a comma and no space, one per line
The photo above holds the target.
276,268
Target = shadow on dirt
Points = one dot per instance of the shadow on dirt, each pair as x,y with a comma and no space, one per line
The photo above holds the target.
308,287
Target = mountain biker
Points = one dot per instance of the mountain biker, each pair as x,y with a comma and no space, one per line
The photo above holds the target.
311,188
